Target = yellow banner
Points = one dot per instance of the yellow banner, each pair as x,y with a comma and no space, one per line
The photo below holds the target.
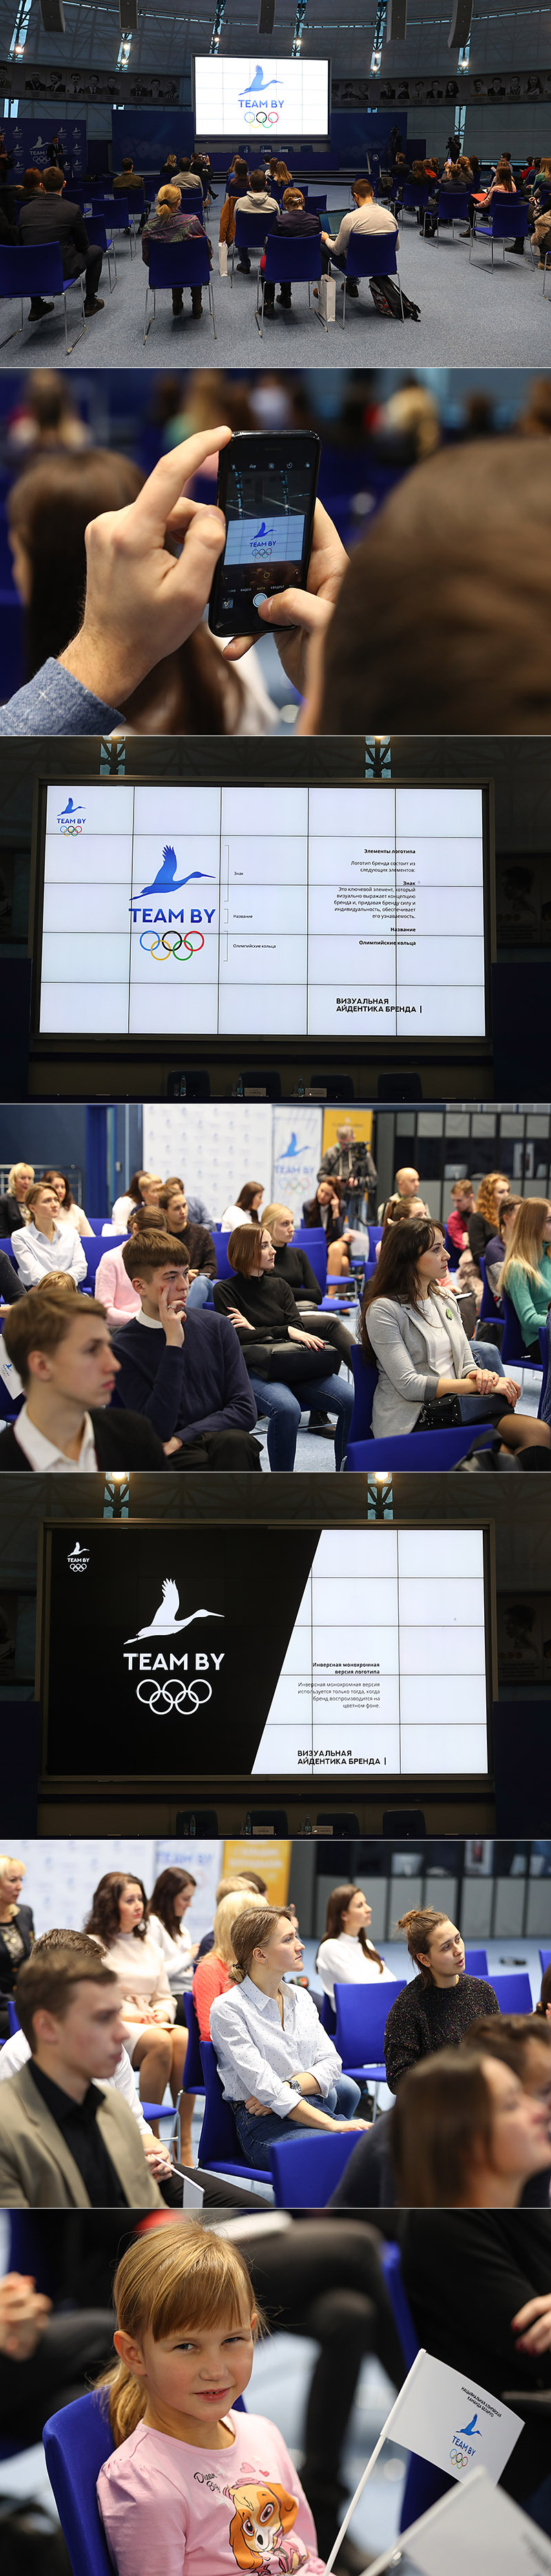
360,1119
271,1860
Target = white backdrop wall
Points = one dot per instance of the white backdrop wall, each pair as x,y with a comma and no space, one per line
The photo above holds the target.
217,1147
61,1876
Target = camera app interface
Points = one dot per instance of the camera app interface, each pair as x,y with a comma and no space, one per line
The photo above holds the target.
267,508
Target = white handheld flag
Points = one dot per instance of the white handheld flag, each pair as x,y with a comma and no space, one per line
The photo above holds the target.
475,2527
445,2419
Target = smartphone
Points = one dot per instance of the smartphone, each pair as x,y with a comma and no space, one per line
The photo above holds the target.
267,489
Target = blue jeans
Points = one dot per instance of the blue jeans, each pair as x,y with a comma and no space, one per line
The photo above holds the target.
284,1405
485,1355
200,1293
256,2135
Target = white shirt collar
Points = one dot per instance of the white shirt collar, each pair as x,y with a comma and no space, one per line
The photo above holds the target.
248,1986
42,1454
152,1322
45,1238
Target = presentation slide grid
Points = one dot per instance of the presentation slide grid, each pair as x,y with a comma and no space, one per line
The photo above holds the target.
241,95
386,1666
286,911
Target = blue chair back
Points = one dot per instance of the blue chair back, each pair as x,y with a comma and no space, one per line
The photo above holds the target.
313,1243
451,1249
223,1266
362,2013
514,1993
219,2144
371,255
545,1960
365,1380
476,1963
305,2170
453,202
179,263
117,212
509,216
292,261
6,1245
26,271
489,1308
423,2484
375,1233
94,1247
13,2018
251,230
417,1449
328,2017
193,2071
76,2443
98,234
315,205
544,1343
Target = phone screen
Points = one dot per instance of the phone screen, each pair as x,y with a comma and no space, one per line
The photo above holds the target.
267,490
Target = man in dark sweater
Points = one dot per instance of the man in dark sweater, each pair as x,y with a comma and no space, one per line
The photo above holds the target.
189,1380
51,217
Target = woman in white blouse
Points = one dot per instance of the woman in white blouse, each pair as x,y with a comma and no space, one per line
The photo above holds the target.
345,1956
173,1893
68,1210
44,1244
245,1209
277,2066
148,2009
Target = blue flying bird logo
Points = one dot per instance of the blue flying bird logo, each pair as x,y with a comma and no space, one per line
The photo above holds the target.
471,2428
167,882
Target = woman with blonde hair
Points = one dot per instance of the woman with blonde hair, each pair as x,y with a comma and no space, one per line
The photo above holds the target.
483,1223
13,1201
291,1263
278,2068
212,1974
166,223
526,1273
16,1932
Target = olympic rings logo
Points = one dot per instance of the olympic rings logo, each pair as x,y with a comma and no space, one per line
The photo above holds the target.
261,116
458,2460
179,944
163,1697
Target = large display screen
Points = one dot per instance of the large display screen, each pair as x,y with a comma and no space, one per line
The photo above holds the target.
239,95
273,911
272,1652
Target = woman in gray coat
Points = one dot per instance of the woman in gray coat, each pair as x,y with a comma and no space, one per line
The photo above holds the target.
412,1333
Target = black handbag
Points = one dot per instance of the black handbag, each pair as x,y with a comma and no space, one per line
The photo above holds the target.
290,1363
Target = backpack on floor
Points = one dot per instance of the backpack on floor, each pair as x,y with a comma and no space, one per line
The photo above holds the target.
386,300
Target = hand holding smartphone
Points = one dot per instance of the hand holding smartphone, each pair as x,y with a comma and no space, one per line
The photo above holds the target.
267,487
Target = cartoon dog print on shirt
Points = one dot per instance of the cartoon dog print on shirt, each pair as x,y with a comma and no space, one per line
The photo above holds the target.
262,2517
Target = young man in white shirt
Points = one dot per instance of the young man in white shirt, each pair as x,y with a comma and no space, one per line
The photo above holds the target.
365,217
61,1349
44,1244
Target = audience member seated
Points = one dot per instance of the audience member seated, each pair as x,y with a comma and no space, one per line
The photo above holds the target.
198,1212
173,1893
196,1239
142,1192
276,2064
493,2324
16,1932
499,1246
465,2135
166,223
256,200
278,171
212,1974
14,1211
411,1333
293,223
66,1366
438,2005
366,217
11,1288
291,1263
68,1210
186,178
526,1273
262,1312
248,1879
48,216
227,212
457,1222
245,1210
524,2044
481,1226
502,186
326,1209
406,1187
166,175
190,1383
454,181
17,2052
64,2142
113,1286
147,2007
397,1212
346,1957
45,1243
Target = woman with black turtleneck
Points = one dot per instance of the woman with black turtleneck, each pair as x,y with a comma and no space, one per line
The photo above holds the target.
438,2006
263,1312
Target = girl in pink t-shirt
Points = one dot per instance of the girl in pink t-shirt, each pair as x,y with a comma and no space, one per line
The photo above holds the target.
192,2483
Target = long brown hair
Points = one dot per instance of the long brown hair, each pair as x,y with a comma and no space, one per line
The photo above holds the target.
244,1248
337,1905
178,2277
526,1248
396,1273
104,1917
419,1924
486,1203
443,2111
168,1885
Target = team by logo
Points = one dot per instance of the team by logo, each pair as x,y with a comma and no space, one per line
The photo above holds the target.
79,1559
259,104
72,818
462,2449
144,1652
158,938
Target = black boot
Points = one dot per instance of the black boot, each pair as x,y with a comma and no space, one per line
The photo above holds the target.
321,1422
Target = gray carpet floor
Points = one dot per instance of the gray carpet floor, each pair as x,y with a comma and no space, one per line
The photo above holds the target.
469,317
